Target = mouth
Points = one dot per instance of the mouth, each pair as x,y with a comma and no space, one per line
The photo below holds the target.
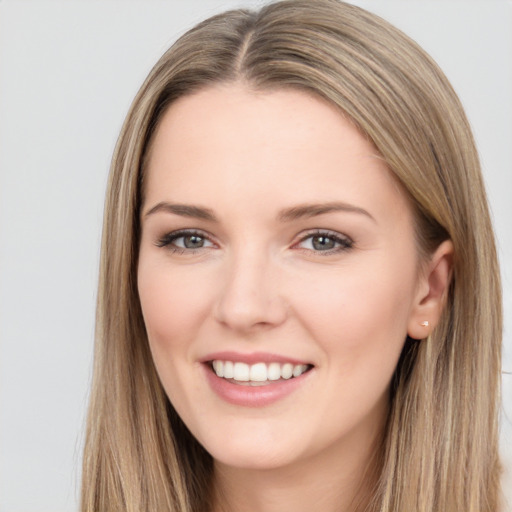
258,379
257,374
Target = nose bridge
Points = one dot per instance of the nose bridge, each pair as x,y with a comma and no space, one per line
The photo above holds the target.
250,294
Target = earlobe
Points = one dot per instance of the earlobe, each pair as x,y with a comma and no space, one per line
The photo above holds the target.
432,291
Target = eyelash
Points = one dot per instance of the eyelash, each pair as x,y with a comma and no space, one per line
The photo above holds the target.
344,242
169,239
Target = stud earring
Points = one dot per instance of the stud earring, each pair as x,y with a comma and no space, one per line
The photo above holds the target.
425,323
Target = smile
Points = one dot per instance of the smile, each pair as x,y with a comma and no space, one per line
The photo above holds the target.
257,379
259,373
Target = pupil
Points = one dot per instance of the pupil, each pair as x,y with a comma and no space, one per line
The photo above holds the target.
193,241
323,243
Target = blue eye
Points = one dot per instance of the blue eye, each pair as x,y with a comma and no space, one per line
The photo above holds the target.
325,242
183,241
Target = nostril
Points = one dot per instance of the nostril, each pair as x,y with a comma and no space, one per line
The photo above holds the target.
250,314
249,298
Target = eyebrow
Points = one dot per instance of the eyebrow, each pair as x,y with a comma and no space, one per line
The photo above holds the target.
286,215
312,210
184,210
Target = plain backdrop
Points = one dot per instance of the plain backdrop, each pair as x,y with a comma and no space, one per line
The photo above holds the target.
68,72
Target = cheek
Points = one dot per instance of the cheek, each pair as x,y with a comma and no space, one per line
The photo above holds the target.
174,304
359,312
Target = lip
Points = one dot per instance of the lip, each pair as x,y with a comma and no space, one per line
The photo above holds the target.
252,358
252,396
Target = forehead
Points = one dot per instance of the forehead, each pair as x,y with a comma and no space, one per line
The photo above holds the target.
288,145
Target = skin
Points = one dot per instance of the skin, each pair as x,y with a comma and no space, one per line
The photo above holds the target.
259,284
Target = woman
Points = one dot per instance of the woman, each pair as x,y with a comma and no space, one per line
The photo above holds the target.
299,288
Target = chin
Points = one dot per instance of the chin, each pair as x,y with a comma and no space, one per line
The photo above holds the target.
246,452
254,460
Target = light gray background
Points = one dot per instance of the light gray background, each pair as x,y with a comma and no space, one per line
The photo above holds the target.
68,71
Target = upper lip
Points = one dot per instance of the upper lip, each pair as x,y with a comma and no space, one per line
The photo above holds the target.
251,358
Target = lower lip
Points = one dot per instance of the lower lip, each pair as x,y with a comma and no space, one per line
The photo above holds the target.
253,396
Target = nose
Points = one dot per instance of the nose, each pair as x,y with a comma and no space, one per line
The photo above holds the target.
250,295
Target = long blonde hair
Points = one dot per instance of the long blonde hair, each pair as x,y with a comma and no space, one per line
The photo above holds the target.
440,451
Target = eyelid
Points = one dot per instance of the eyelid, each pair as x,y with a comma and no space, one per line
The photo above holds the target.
166,241
344,241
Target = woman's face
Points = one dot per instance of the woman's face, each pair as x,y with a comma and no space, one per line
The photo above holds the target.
277,250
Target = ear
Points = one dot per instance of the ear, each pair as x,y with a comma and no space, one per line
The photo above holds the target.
431,293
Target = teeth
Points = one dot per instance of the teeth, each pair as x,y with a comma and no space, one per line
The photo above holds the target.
274,371
287,371
229,371
218,367
259,372
241,372
297,371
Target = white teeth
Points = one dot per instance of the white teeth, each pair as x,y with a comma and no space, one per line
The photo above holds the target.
298,370
218,366
229,370
287,371
259,372
241,372
274,371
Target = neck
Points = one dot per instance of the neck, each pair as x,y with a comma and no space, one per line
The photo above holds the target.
339,480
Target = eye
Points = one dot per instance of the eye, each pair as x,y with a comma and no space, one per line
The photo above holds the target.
325,241
184,241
